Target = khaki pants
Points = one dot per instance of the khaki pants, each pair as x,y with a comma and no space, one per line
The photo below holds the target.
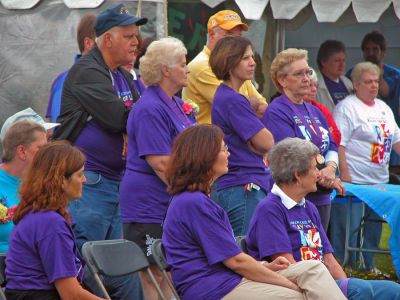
311,276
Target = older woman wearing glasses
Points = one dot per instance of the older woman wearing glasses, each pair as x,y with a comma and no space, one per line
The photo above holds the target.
290,116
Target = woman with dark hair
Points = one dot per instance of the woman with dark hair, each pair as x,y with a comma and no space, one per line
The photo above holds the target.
247,181
42,261
206,262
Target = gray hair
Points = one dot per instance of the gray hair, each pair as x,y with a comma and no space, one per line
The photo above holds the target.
164,52
364,67
290,156
20,133
313,76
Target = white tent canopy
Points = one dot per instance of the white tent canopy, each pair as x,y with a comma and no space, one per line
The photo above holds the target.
325,10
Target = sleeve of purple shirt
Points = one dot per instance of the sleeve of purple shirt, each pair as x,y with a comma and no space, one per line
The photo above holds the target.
152,136
242,119
212,230
278,122
271,235
56,253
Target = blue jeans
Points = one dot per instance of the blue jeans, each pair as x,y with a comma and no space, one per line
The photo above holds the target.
96,216
239,204
359,289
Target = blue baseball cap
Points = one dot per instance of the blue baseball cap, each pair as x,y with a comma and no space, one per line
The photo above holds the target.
116,16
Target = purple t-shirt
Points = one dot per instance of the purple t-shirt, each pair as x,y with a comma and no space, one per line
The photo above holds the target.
283,122
104,150
152,127
275,229
197,237
42,250
337,90
232,112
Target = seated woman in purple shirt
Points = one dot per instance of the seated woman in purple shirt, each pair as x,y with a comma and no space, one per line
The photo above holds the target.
198,239
286,224
290,116
247,181
42,261
153,124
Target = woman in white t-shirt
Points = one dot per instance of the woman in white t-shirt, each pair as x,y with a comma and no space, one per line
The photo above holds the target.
369,133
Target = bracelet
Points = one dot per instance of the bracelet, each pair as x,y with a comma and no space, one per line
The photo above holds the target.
332,164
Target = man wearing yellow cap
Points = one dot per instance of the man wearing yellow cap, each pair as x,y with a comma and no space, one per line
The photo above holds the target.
202,82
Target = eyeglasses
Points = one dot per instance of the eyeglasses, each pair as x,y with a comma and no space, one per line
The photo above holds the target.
225,149
302,73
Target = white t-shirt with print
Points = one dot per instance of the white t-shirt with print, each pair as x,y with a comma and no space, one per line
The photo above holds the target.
368,134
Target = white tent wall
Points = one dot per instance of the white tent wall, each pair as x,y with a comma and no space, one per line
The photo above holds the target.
39,43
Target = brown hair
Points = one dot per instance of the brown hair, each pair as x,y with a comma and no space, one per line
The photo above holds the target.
227,54
374,37
42,187
194,153
85,30
23,133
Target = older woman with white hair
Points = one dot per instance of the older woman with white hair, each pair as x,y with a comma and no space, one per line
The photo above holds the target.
290,116
153,124
369,133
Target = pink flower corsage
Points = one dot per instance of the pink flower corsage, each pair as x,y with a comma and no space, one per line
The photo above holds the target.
190,108
6,214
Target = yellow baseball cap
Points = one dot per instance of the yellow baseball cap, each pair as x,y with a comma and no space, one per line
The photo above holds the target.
227,20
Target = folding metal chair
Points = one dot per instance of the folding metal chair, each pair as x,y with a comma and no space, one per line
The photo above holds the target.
116,258
158,253
241,241
2,274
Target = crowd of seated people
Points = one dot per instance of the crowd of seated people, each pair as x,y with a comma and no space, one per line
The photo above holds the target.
131,154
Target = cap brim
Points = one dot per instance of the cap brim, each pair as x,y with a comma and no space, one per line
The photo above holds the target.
133,20
48,126
230,26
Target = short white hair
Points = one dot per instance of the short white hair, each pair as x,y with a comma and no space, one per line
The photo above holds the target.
164,52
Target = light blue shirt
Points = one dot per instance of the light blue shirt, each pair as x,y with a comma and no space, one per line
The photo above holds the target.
8,197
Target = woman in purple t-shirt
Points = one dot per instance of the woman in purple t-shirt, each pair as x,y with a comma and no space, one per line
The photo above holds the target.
206,262
42,261
290,116
154,122
247,182
286,224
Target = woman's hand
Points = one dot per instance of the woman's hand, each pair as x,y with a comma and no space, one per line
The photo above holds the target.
327,176
279,263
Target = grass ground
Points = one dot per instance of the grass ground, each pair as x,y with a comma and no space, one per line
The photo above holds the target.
382,261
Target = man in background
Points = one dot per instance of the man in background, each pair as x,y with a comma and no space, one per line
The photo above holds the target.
85,38
202,82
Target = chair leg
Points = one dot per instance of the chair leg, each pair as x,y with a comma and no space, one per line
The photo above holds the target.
170,284
2,295
348,224
101,285
153,280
